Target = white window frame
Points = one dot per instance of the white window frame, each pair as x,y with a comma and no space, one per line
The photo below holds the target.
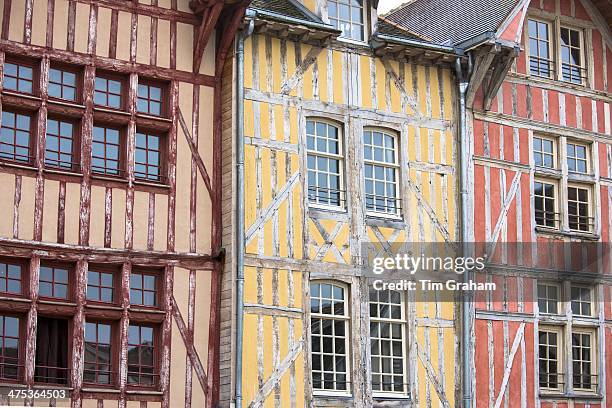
591,301
364,15
587,158
396,169
555,154
344,318
402,322
557,220
340,159
548,299
593,360
582,66
551,48
560,358
590,220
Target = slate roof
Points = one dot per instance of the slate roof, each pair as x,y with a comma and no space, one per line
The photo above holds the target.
452,22
289,8
391,29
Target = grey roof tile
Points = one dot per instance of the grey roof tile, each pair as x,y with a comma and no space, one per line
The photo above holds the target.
290,8
452,22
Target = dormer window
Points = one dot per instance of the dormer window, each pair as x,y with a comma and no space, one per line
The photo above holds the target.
348,16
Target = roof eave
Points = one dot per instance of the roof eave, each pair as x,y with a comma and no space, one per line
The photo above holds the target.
281,18
380,40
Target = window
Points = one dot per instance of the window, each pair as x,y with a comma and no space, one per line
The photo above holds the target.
9,348
549,362
387,337
53,282
544,152
10,277
60,145
577,161
62,84
571,55
106,151
18,77
581,301
15,137
347,16
548,298
141,356
100,286
97,368
147,165
578,209
544,199
143,289
329,337
582,361
540,63
149,99
108,92
324,164
381,172
52,339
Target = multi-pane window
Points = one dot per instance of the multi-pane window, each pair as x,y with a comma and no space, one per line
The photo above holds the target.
141,356
381,172
9,348
106,151
544,200
347,16
59,144
582,361
578,209
97,368
15,137
548,359
147,164
577,159
62,84
143,289
544,152
329,337
540,62
548,298
581,301
387,341
108,92
149,99
53,282
324,163
10,277
100,286
571,55
18,77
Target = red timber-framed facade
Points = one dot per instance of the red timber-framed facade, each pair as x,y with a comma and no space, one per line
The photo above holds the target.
541,165
110,174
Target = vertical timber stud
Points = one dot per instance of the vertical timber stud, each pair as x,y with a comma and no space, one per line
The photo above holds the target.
87,130
166,337
78,333
30,350
124,327
40,153
130,141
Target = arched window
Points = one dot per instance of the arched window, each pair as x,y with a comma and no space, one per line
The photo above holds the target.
381,167
325,163
329,329
388,342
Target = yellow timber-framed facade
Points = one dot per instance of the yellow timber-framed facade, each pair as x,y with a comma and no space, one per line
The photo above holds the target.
315,104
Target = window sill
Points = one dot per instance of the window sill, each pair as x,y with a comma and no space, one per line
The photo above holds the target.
117,179
101,390
67,173
320,211
17,165
563,233
548,172
555,81
579,394
143,391
332,394
29,96
151,184
391,397
55,302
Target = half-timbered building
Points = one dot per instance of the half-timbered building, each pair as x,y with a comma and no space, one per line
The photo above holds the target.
540,163
109,167
338,132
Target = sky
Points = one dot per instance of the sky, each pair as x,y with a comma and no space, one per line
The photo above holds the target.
386,5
